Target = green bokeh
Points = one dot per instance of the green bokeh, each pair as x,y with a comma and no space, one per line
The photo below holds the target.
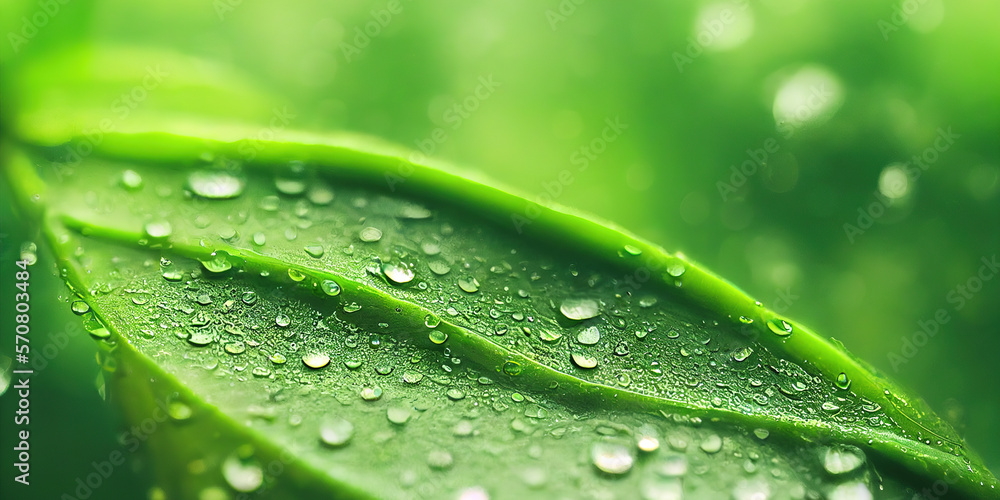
779,235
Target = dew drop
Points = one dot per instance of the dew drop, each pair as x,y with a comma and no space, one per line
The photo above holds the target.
468,284
157,230
589,336
398,273
335,432
216,263
371,393
512,368
330,287
843,382
439,267
579,309
841,459
741,355
242,473
296,275
314,251
712,444
440,460
215,185
780,327
316,360
611,458
282,320
371,234
431,321
80,307
290,186
131,180
398,415
583,361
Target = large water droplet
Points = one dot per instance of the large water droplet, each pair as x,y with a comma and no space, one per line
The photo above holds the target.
371,234
584,361
438,336
217,263
468,284
841,459
398,273
215,185
335,432
398,415
843,382
779,326
330,287
158,229
316,360
611,458
314,251
579,309
242,472
80,307
742,354
711,444
512,368
131,180
589,336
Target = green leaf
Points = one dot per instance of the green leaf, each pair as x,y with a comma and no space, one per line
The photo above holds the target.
295,314
327,319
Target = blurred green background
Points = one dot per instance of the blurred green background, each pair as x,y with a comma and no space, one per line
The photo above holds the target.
839,97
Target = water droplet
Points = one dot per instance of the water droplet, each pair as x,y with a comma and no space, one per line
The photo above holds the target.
235,348
289,186
761,433
647,301
335,432
80,307
431,321
517,397
438,336
352,307
131,180
296,275
440,460
215,185
841,459
314,251
316,360
455,394
156,230
249,298
711,444
579,309
371,393
850,491
330,287
741,355
320,194
277,358
398,273
779,327
512,368
632,250
843,382
745,320
371,234
583,361
242,472
468,284
589,336
398,415
549,335
95,327
611,458
412,377
177,409
676,269
217,263
647,440
439,267
282,320
535,411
